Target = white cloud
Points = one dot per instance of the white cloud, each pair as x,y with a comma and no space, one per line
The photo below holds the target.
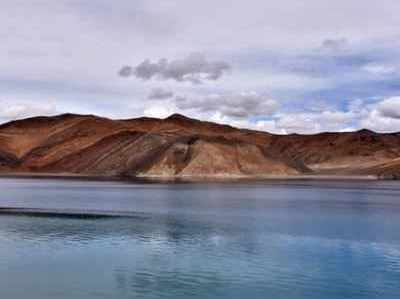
376,122
379,69
383,116
389,108
260,125
288,123
158,111
315,122
17,110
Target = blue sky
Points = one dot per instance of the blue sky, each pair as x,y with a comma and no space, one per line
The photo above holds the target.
288,66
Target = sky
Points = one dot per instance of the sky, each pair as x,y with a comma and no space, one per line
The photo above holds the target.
303,66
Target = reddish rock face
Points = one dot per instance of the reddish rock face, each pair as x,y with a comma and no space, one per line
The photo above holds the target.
181,146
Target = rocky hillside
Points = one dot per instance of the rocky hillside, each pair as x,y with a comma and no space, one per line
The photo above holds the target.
180,146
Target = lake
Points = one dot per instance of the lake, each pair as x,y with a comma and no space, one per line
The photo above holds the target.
278,239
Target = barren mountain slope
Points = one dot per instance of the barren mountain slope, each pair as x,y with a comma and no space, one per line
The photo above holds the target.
180,146
337,152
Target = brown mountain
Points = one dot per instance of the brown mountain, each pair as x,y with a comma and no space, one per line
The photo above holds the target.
180,146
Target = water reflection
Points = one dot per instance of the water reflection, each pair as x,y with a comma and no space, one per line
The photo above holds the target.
269,241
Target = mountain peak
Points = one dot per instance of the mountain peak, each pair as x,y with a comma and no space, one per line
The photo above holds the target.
366,132
176,117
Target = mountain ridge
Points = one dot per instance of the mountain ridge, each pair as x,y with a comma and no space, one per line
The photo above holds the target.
179,146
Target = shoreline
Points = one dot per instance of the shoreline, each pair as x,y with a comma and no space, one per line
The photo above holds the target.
197,178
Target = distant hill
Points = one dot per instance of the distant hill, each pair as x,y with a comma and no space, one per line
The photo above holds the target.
179,146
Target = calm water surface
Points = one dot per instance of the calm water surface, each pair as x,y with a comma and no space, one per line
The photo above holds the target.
256,240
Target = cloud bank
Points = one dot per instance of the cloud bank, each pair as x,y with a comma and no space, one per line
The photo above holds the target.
239,106
314,66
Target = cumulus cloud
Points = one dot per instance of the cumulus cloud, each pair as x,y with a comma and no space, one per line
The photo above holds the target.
307,123
288,123
377,122
194,68
381,116
390,108
239,106
160,94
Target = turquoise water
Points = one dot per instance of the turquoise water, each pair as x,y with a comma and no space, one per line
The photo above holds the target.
294,239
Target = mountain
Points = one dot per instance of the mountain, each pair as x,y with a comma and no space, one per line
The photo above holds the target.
179,146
